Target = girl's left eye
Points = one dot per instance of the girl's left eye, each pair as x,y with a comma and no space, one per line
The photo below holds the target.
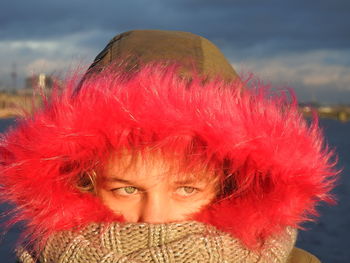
186,190
127,190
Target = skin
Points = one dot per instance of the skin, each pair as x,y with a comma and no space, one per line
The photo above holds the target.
145,190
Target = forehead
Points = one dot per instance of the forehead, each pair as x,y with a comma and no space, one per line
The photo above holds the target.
139,165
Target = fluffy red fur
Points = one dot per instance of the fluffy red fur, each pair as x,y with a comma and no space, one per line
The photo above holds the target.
279,165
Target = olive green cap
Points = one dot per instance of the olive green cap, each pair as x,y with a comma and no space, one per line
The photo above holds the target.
191,52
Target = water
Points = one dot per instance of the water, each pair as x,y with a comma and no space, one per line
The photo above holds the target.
327,238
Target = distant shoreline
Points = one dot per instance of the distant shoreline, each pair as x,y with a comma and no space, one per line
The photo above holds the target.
15,105
342,116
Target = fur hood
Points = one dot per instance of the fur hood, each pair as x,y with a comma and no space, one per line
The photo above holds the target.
278,163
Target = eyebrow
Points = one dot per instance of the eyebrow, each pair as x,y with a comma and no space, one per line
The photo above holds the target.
186,181
181,181
125,181
193,181
119,180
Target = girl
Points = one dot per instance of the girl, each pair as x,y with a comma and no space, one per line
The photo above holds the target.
161,153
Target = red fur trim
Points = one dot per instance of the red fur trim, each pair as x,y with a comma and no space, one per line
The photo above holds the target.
280,166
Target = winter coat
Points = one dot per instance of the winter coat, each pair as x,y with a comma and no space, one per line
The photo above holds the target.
276,165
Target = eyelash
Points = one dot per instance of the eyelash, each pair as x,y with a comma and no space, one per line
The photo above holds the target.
123,192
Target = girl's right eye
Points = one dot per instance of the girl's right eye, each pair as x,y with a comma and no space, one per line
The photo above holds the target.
127,190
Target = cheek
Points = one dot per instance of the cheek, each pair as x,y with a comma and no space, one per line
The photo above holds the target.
107,199
120,206
184,210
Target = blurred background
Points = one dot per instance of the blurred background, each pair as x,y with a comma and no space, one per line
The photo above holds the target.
300,44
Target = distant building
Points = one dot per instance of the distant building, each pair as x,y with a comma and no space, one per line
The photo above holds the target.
41,81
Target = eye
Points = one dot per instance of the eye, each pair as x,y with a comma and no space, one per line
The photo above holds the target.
127,190
186,190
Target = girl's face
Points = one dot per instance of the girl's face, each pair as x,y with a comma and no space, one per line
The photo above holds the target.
144,190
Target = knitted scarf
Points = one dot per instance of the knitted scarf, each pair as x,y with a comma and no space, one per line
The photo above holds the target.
175,242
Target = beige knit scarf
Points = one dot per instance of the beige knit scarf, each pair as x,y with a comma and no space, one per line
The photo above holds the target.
163,243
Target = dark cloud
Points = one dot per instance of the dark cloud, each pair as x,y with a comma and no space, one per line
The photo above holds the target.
301,42
275,25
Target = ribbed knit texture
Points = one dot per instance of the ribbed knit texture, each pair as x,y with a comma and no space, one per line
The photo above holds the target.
163,243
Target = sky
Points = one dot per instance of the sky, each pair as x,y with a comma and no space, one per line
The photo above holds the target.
302,44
